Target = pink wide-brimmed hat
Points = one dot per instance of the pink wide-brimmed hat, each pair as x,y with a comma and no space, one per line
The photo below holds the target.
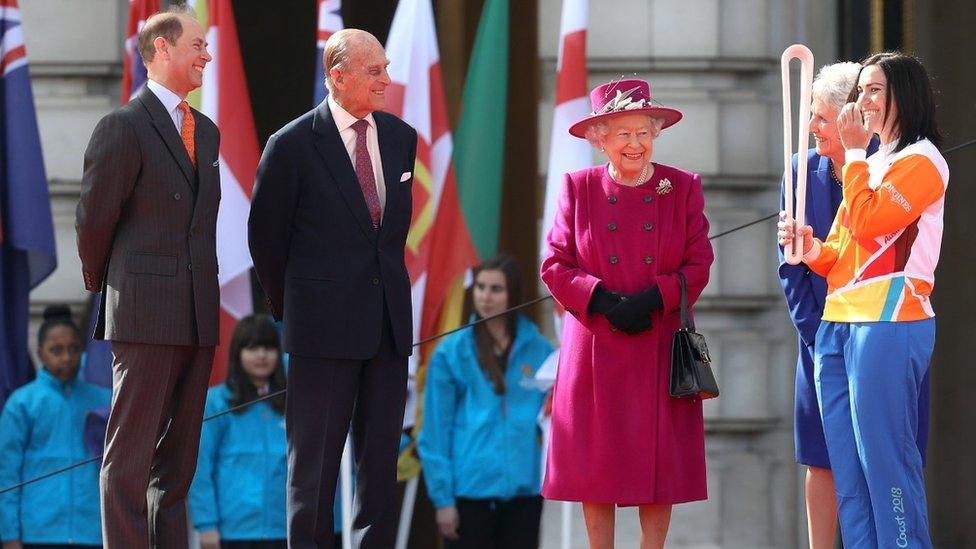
630,96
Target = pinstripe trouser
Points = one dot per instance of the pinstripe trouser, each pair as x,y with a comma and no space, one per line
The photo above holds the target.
151,444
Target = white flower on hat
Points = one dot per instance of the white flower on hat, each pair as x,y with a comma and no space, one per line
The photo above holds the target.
622,102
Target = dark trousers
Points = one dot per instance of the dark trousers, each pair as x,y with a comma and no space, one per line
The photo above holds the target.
498,524
242,544
324,397
151,444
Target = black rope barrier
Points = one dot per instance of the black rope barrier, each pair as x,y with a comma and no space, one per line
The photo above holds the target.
416,344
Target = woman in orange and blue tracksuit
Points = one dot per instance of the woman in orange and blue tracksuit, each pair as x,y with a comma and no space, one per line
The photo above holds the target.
878,331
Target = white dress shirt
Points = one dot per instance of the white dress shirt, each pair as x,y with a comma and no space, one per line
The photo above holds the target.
170,102
344,121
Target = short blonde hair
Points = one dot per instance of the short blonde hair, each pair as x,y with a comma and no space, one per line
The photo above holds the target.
338,49
834,82
598,130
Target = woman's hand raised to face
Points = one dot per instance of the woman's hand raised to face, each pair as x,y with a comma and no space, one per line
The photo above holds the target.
852,129
785,232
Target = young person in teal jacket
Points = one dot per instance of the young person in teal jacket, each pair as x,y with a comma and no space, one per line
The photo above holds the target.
237,499
41,429
480,444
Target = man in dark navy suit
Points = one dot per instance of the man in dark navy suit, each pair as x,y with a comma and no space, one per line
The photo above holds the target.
327,230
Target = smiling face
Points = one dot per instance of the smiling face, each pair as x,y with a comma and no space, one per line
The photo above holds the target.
61,352
872,97
360,85
629,143
823,126
179,65
490,293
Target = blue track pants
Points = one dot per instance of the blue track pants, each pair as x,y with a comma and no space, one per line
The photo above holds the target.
868,378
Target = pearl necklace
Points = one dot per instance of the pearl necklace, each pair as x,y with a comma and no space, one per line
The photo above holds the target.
640,178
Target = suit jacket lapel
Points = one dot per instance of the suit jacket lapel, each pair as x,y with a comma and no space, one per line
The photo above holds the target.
207,185
388,152
167,131
333,152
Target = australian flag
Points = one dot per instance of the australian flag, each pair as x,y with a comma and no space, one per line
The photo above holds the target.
330,21
26,228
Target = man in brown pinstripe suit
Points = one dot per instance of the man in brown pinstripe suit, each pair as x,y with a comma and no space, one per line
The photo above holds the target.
146,228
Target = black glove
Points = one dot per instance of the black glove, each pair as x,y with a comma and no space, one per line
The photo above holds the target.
633,314
602,301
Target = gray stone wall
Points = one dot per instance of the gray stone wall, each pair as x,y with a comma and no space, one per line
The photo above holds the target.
718,62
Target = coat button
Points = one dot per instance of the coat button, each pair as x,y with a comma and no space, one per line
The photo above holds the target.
612,226
648,260
614,260
648,226
177,196
189,266
648,198
375,281
612,199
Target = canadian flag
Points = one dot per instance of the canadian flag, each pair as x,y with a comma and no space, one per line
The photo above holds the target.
224,98
567,153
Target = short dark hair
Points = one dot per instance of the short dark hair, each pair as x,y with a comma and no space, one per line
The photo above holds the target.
910,88
54,316
254,331
165,24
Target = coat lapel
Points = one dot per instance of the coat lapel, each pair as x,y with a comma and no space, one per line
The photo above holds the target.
167,131
818,193
388,152
333,152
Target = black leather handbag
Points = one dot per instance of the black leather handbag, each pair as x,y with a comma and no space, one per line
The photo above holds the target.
691,373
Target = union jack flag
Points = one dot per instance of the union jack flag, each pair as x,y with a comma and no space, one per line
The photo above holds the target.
330,21
133,71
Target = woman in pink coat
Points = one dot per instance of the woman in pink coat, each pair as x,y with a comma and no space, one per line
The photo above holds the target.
623,233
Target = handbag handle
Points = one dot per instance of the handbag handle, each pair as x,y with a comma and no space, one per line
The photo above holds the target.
686,322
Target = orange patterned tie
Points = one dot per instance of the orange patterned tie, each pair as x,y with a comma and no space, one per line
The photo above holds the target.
187,132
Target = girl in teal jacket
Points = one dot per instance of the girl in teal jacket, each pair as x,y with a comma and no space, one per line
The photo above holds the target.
237,498
41,429
480,443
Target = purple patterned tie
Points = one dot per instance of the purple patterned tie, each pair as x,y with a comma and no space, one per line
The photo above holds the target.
364,172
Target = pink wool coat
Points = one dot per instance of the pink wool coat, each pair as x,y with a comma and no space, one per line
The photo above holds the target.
617,435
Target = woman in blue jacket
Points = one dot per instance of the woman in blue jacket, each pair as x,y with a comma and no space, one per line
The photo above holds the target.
41,429
480,443
237,499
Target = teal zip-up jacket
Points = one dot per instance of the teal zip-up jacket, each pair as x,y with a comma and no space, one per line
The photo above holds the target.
475,443
239,487
41,429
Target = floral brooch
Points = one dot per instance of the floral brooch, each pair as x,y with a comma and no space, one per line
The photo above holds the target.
664,187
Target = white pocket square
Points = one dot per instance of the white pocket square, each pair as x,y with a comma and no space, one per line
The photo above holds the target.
216,163
405,176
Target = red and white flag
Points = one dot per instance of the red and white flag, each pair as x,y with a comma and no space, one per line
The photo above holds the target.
224,98
439,248
567,153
